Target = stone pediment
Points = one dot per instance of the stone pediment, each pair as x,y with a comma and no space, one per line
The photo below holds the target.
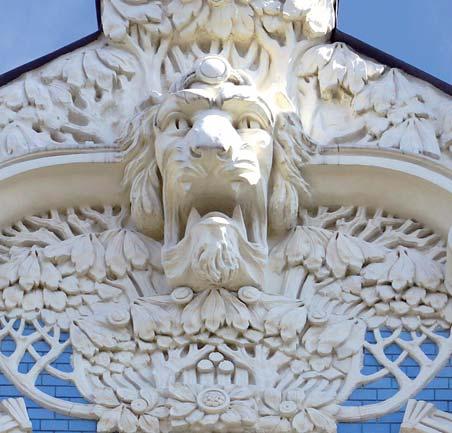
220,205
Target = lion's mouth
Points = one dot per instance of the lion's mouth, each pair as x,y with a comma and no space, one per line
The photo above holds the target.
237,202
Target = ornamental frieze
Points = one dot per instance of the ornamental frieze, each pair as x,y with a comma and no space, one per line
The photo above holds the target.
215,294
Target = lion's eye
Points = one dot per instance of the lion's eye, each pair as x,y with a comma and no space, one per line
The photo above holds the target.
177,124
248,122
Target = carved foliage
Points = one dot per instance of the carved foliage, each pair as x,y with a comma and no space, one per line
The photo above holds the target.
217,359
391,106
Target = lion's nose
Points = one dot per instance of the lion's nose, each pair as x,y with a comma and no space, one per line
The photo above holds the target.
206,145
212,135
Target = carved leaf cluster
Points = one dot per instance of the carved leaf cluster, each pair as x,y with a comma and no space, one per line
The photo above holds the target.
390,106
338,67
156,363
62,104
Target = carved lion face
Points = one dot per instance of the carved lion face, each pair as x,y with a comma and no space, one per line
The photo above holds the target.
214,151
206,154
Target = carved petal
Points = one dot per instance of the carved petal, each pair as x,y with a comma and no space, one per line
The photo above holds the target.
143,327
50,275
272,398
135,250
301,423
29,272
213,311
81,342
128,422
114,256
109,420
182,393
149,424
321,420
13,296
334,335
181,409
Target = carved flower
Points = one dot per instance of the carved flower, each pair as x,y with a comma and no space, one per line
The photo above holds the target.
315,411
125,250
232,316
213,309
137,415
270,14
410,308
277,413
189,312
216,408
106,328
117,252
446,128
305,414
414,135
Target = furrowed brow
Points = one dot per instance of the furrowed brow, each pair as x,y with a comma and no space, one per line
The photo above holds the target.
249,103
184,100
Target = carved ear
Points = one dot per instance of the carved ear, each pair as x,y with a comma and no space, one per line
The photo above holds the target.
142,175
291,151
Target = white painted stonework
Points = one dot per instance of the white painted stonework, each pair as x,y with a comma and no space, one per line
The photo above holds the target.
216,204
422,417
13,416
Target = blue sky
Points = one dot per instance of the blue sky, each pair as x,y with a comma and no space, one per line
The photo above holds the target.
30,29
418,32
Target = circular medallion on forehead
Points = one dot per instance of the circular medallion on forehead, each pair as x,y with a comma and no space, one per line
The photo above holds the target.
213,70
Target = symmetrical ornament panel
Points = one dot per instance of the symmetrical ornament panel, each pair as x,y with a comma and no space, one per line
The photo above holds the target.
217,299
281,356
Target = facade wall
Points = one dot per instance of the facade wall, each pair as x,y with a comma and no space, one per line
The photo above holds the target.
439,392
112,147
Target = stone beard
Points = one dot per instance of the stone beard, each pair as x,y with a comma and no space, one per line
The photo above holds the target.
208,157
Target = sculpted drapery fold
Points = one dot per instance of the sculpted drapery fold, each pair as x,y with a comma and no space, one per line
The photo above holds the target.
219,298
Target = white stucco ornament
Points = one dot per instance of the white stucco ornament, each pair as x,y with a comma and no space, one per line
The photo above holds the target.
13,416
201,251
423,417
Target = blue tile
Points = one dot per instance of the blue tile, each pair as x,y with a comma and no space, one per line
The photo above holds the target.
349,428
82,425
54,424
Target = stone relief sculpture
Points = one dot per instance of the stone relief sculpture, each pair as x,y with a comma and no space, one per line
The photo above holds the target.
13,416
218,298
423,417
218,303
